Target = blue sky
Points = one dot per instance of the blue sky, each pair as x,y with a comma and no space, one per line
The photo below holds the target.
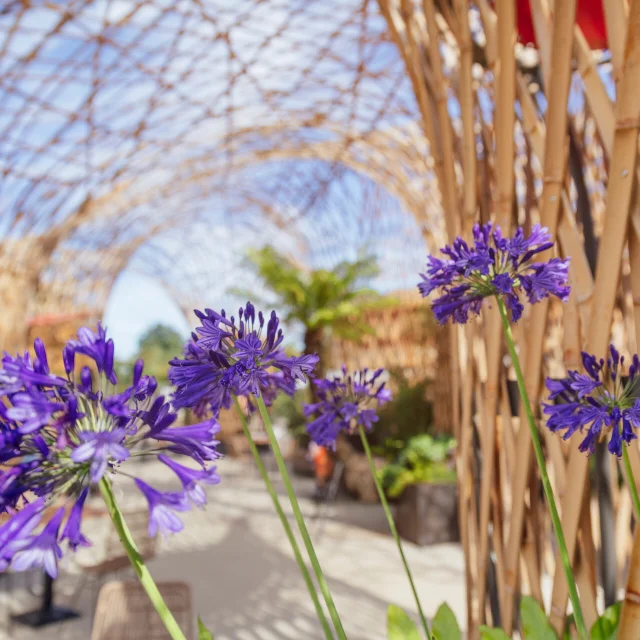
137,303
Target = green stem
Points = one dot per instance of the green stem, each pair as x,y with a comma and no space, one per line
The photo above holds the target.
333,612
138,563
285,524
392,526
546,484
631,482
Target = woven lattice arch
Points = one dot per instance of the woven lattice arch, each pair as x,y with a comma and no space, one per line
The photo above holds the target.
132,114
112,228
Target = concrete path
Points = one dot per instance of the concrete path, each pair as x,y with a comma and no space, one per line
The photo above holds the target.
245,582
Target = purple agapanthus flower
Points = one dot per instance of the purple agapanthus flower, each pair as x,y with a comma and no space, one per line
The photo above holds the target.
18,528
493,266
161,509
39,551
345,402
72,530
192,479
98,348
226,358
98,448
196,440
600,401
62,435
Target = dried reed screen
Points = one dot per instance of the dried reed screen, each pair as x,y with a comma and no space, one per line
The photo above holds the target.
523,136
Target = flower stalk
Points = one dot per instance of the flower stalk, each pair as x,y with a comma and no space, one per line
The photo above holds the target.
285,523
315,563
138,564
546,483
392,526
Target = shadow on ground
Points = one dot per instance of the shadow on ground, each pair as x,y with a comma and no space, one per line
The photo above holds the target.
246,584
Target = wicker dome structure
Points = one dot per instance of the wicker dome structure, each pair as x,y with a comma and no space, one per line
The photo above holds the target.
126,120
168,137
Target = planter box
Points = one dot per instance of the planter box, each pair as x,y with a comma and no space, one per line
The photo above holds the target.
428,514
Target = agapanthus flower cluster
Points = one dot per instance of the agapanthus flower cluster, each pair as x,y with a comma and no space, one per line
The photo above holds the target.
601,401
493,266
226,358
59,436
345,402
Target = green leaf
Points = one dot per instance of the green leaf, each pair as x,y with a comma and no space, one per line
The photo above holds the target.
492,634
203,632
400,626
445,626
606,626
534,621
318,298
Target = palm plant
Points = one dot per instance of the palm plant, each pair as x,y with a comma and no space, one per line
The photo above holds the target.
325,302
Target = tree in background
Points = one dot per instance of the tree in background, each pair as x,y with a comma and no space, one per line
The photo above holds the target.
325,302
157,346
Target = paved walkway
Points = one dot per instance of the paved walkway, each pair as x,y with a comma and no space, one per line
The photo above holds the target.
245,582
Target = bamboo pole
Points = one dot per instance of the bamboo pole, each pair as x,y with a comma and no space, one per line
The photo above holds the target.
444,167
586,566
623,518
634,279
531,557
496,506
486,173
489,22
579,270
465,478
442,151
505,112
449,189
630,616
554,168
587,594
509,445
541,19
567,230
503,211
415,60
595,91
466,109
448,184
623,167
616,14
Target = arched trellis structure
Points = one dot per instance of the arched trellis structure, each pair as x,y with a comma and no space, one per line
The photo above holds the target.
110,98
121,118
216,262
117,217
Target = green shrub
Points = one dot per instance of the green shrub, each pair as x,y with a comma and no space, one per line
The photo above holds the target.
289,408
408,414
424,459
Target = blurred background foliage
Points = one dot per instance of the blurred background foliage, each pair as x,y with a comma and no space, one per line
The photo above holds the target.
425,458
408,414
325,302
156,347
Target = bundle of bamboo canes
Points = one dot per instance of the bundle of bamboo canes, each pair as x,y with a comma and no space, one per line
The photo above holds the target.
520,137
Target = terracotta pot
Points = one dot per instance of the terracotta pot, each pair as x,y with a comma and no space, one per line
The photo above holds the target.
428,514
